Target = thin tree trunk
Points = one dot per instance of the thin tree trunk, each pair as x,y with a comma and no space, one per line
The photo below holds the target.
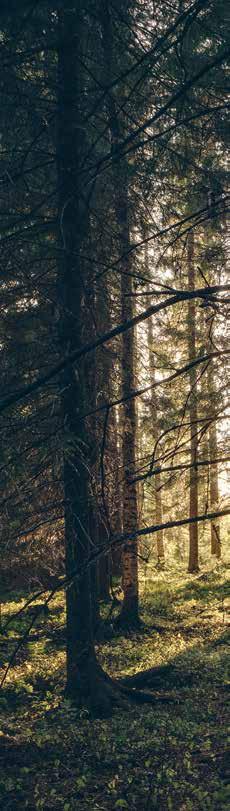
104,381
214,493
213,453
138,445
129,613
193,565
157,479
90,371
104,561
154,430
117,528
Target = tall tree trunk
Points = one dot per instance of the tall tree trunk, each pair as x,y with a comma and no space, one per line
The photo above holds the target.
129,612
139,453
213,453
193,565
83,672
214,493
86,681
157,479
91,376
117,528
104,385
154,429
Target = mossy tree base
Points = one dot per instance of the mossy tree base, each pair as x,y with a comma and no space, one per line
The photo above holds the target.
100,694
128,622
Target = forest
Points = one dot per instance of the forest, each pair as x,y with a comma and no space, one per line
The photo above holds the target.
114,420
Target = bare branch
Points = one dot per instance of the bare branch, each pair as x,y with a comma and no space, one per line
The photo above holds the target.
73,357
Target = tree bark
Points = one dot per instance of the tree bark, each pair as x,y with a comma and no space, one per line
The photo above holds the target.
80,651
90,370
85,680
104,385
87,684
193,565
129,612
154,427
213,453
104,562
116,515
157,479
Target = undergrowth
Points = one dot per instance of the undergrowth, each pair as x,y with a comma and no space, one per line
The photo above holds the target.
166,756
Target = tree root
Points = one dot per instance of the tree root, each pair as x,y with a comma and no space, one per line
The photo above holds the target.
100,694
144,697
149,677
127,624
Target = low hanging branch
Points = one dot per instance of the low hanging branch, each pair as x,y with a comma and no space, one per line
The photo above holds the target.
157,528
199,216
73,357
186,466
115,542
138,392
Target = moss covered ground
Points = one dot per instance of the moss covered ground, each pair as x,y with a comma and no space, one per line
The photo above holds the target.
166,756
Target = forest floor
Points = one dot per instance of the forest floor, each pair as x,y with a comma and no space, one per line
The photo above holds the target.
164,756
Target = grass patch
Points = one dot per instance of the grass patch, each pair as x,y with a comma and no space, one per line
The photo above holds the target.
153,757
